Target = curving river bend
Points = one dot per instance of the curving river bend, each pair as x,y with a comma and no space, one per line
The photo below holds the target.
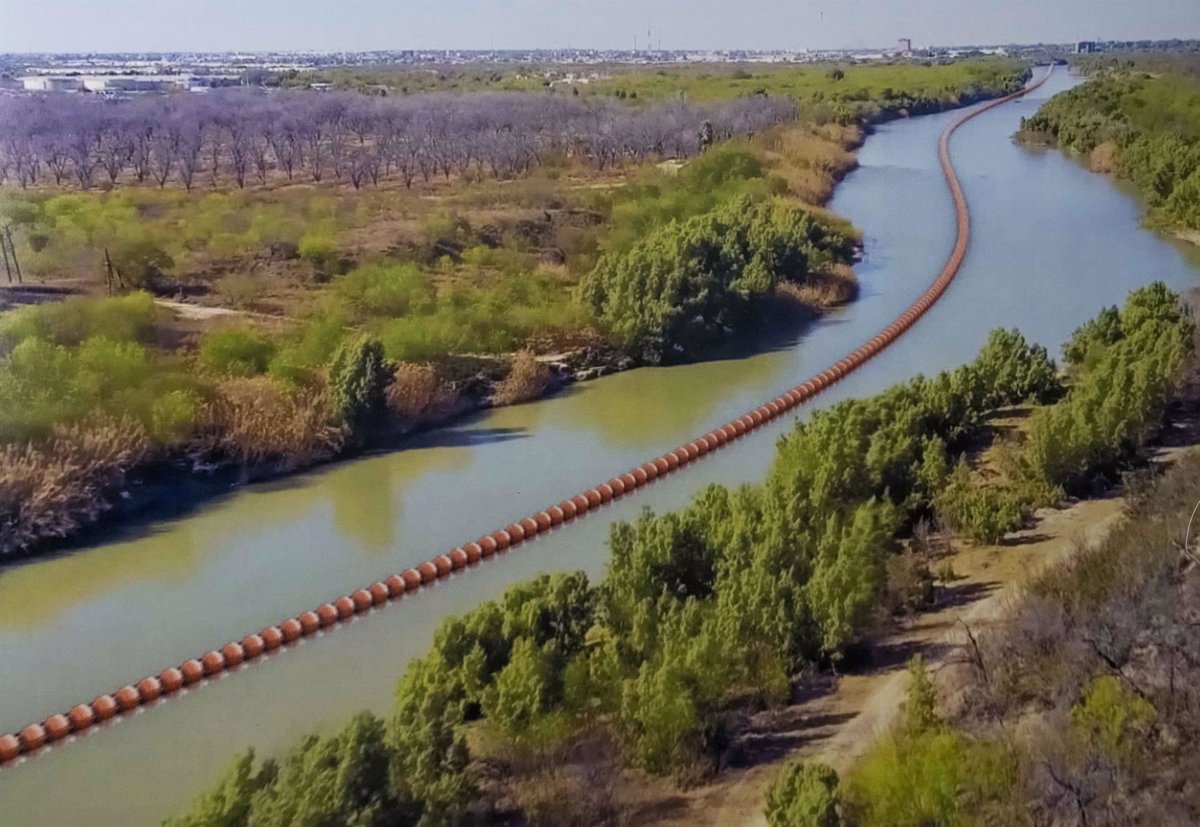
1051,244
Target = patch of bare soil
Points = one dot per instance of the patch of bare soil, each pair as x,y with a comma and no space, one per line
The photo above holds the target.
838,717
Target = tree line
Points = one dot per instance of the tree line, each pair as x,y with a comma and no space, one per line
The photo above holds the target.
241,137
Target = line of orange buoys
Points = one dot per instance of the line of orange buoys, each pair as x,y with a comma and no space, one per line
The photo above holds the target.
232,655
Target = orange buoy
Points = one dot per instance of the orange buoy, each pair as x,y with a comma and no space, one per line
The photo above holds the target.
428,570
213,661
57,727
630,481
710,441
395,586
105,706
489,545
291,629
10,747
171,680
458,558
516,533
272,637
569,509
150,689
581,504
700,445
234,654
593,498
363,600
127,698
651,470
81,717
661,466
192,671
532,526
557,515
327,614
640,477
441,564
412,577
32,737
543,520
310,622
617,485
474,553
503,539
345,606
253,646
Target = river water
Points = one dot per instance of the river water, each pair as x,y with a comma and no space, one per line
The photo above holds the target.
1052,244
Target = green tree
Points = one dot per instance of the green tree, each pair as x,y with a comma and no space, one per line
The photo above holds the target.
358,377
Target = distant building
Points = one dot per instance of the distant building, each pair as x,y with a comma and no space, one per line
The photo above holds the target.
1086,47
905,45
51,84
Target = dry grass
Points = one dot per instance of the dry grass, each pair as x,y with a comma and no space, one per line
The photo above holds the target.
418,395
528,379
1104,158
255,421
822,289
58,486
812,158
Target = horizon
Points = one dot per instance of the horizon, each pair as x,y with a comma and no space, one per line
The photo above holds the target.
265,26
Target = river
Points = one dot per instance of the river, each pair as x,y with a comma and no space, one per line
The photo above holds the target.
1052,244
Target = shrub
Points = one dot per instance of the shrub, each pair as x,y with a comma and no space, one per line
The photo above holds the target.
687,284
256,420
418,395
804,794
120,319
320,252
527,379
358,378
390,289
141,264
982,513
236,352
66,482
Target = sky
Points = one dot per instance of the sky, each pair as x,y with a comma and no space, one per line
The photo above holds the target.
363,25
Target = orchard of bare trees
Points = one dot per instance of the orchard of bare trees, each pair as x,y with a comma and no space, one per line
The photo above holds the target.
242,137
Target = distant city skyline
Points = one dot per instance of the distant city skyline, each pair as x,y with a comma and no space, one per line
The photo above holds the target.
366,25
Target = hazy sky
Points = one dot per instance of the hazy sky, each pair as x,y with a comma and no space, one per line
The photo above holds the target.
211,25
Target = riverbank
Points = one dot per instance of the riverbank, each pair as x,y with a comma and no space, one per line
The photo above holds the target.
119,493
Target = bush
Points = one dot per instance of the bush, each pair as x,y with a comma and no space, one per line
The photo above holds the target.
527,379
982,513
52,489
358,378
418,395
255,420
689,283
141,264
236,352
804,794
320,252
122,319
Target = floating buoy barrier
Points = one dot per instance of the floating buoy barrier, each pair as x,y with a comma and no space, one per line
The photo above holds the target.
232,655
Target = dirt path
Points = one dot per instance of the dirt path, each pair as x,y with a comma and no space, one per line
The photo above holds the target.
842,716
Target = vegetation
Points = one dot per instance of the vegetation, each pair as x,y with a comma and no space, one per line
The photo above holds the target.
1080,710
717,607
486,269
1145,127
688,283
